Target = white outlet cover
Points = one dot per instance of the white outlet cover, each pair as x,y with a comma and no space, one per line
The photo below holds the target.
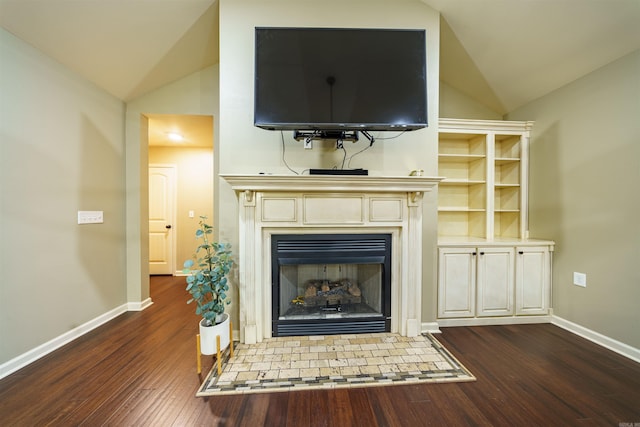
90,217
580,279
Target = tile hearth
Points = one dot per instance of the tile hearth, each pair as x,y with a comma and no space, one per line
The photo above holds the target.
284,363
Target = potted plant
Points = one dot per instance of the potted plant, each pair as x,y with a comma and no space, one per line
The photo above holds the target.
208,286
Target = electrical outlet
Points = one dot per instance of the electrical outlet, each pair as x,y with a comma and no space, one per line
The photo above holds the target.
580,279
90,217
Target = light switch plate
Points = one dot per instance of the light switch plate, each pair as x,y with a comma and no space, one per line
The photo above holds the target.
580,279
90,217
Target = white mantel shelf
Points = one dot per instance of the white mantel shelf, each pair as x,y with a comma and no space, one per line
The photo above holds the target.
298,204
343,183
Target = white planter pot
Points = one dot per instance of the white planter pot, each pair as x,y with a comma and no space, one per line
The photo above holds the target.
208,336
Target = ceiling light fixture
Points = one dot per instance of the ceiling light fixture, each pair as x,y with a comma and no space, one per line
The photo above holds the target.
175,137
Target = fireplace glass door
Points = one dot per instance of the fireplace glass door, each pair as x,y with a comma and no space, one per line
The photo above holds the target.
331,284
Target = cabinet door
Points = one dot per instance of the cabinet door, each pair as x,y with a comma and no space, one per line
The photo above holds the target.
456,282
495,281
532,280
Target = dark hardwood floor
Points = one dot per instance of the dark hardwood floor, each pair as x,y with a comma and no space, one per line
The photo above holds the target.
139,369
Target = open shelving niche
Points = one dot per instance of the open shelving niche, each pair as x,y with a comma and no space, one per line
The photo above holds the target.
483,195
462,206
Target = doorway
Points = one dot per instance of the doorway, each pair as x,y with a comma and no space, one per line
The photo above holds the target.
162,205
184,144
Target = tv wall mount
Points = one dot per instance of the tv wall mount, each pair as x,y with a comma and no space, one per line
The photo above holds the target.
336,135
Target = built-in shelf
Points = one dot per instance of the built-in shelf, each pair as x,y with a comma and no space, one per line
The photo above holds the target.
483,194
504,160
458,209
489,272
453,158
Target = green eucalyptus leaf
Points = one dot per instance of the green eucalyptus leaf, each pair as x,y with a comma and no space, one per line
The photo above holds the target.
207,282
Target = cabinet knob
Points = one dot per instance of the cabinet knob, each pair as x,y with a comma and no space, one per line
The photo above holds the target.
473,253
481,253
520,252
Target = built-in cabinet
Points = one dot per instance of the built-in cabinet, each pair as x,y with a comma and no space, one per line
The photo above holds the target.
489,271
493,281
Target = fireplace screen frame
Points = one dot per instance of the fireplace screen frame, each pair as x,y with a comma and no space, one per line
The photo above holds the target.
334,248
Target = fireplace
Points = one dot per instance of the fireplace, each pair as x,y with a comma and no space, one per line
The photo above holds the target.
272,206
326,284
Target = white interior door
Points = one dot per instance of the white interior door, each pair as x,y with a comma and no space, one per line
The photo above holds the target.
162,200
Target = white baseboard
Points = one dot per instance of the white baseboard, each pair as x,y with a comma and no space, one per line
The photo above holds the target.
139,306
431,328
488,321
42,350
36,353
596,337
602,340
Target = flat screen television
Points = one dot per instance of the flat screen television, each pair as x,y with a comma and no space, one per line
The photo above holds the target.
340,79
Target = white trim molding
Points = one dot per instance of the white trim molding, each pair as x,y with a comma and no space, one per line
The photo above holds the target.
596,337
139,306
42,350
431,328
492,321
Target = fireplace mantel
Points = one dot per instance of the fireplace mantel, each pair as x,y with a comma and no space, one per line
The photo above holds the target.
349,183
276,204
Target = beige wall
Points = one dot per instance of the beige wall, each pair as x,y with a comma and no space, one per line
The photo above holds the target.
61,150
196,94
584,194
194,192
244,148
456,105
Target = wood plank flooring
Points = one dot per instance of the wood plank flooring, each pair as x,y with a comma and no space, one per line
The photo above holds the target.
139,369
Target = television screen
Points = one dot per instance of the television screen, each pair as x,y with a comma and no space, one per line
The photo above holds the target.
340,79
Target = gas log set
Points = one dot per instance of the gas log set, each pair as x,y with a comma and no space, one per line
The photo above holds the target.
328,293
330,284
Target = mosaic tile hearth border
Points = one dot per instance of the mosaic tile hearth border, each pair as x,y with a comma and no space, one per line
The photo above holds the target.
332,361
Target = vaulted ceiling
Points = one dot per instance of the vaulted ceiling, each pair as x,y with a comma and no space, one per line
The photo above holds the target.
502,53
127,47
506,53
